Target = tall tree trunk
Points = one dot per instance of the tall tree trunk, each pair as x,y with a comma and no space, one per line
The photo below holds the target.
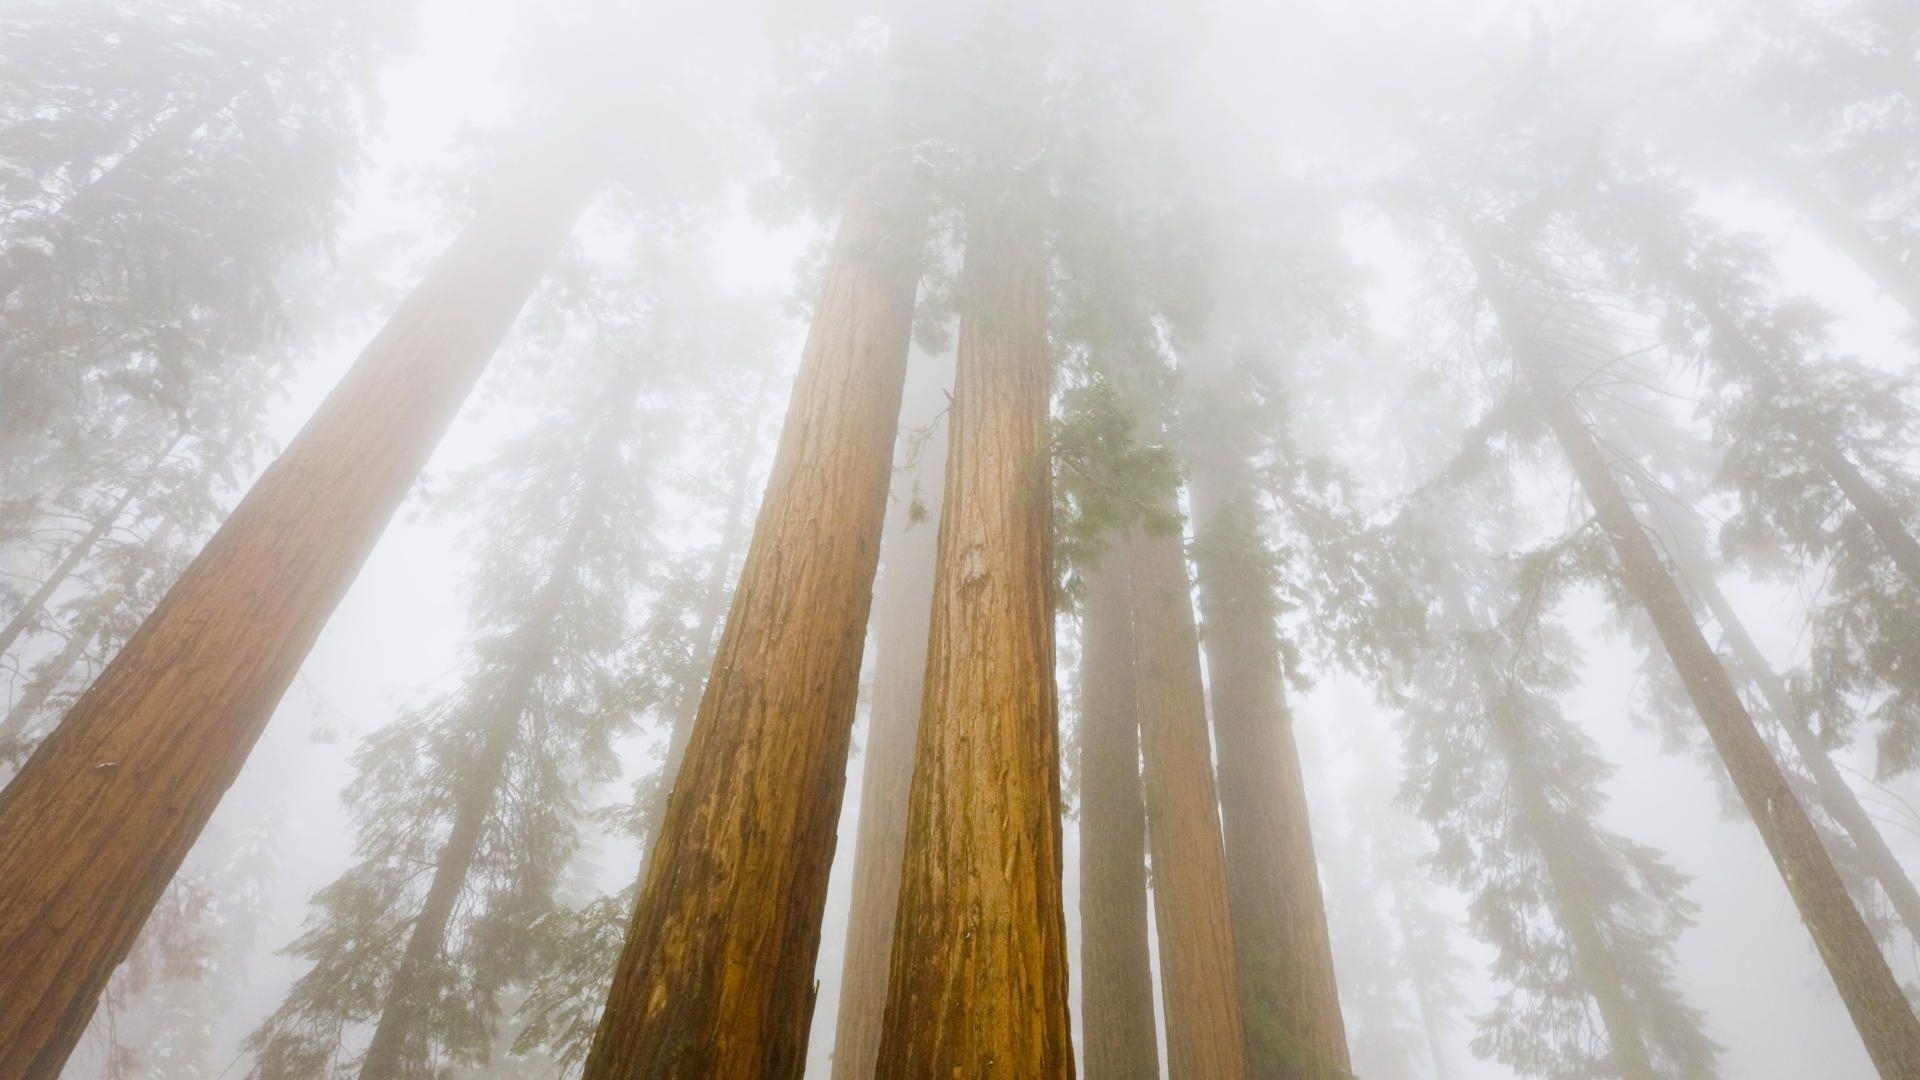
1118,1027
104,812
1874,508
1200,984
1879,1009
36,604
1835,794
53,673
979,964
399,1047
901,618
715,978
1283,952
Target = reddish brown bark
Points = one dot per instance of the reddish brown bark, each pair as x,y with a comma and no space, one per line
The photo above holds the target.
716,975
1118,1028
1283,952
1873,998
901,615
1200,984
103,813
979,969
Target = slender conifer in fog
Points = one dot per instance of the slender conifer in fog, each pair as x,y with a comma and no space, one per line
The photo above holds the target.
1118,1026
1880,1011
903,606
105,810
979,966
767,757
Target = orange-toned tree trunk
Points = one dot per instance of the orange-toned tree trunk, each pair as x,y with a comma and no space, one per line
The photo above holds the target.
1199,980
979,966
1284,955
1873,998
900,619
103,813
716,977
1118,1028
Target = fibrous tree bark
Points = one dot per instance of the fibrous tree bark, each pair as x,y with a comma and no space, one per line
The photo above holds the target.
103,813
1283,953
1200,985
979,968
715,977
1118,1027
902,611
1873,998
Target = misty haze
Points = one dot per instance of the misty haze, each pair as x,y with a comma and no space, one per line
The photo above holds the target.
991,539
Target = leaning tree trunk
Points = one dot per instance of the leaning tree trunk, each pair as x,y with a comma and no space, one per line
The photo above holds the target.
54,671
900,621
1849,234
1118,1037
1282,948
716,975
36,604
1200,987
1874,509
1873,998
1835,794
979,965
101,817
399,1045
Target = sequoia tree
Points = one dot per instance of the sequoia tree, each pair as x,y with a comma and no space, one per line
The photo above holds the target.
102,814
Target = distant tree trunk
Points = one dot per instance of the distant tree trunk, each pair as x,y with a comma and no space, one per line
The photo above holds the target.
1878,1007
13,728
36,604
1283,952
979,966
716,975
900,621
399,1046
713,604
101,816
1848,233
1118,1027
1422,993
1593,960
1200,985
1872,506
1834,792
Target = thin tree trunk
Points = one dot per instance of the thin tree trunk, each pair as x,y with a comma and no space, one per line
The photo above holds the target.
1835,794
1848,233
979,965
715,978
1873,998
1118,1027
13,728
1874,508
903,612
398,1047
1593,960
1200,985
713,604
36,604
1283,952
98,821
1422,993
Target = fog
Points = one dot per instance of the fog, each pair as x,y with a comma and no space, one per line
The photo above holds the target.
1315,540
